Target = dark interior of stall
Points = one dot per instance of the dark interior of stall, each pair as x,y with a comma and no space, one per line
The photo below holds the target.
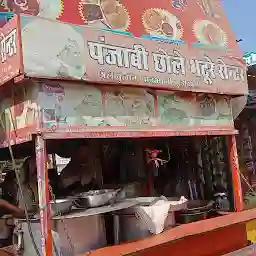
196,168
245,123
246,147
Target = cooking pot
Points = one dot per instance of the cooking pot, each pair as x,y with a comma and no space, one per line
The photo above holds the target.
95,198
196,210
196,206
61,206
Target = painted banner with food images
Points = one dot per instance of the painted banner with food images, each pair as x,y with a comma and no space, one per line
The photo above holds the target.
101,56
71,104
10,51
197,21
65,108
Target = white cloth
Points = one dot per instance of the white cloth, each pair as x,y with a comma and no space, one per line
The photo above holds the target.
154,216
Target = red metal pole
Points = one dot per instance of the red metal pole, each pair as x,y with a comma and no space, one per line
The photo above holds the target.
43,193
233,158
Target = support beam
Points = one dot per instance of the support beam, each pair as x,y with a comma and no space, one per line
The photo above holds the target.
43,193
233,158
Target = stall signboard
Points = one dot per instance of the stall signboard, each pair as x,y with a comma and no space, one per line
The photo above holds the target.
250,58
10,51
5,17
94,55
120,59
251,99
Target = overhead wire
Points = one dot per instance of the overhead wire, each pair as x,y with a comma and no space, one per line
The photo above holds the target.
21,192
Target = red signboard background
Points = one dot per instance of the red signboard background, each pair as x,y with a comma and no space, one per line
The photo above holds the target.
181,14
187,14
12,66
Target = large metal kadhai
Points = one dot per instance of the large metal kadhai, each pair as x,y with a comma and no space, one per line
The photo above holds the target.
95,198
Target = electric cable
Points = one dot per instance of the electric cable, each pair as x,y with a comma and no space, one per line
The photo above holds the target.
22,197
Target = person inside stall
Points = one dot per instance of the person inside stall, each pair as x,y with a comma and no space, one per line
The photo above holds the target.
6,210
10,187
8,203
80,173
9,209
29,186
54,181
132,169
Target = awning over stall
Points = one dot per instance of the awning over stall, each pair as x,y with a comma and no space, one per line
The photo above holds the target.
135,87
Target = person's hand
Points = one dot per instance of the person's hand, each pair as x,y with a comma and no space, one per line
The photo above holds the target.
12,209
19,213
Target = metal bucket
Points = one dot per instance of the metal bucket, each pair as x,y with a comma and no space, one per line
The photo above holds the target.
132,228
86,234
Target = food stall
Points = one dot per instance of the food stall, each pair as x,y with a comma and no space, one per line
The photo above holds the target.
245,124
88,86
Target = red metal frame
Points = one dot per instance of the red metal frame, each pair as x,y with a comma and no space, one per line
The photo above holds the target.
25,134
125,133
20,46
43,192
233,158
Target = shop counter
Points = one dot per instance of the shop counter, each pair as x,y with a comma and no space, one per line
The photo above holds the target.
211,237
